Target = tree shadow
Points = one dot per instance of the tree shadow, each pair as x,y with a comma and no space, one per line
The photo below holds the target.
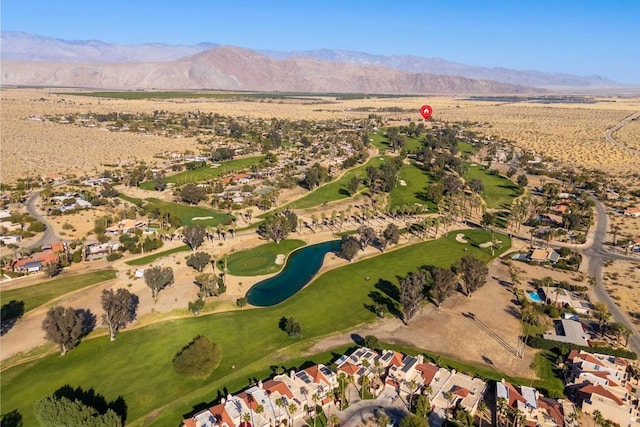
94,400
512,310
9,315
389,289
344,192
380,299
88,321
358,339
11,419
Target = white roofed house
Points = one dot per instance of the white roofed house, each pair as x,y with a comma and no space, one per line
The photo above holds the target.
601,382
570,331
537,409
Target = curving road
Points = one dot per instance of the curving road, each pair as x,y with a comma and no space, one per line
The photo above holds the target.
608,134
49,236
597,254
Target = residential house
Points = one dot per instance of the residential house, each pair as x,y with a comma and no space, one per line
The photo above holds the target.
635,211
125,226
538,410
35,262
569,331
544,255
454,389
565,298
10,240
601,382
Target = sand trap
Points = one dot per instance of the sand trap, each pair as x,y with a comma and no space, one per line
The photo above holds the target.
200,218
280,259
460,238
403,183
488,244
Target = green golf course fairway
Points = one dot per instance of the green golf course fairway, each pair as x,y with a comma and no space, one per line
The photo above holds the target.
137,366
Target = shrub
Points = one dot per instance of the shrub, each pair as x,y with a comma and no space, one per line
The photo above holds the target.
114,256
198,358
545,344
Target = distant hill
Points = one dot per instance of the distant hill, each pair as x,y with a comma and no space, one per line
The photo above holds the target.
19,46
233,68
418,64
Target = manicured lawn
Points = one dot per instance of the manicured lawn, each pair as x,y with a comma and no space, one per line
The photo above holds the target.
134,200
36,295
382,142
466,148
207,173
498,192
150,258
335,190
137,366
187,213
260,260
416,180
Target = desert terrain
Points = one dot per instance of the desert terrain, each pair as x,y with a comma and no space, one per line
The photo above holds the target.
569,133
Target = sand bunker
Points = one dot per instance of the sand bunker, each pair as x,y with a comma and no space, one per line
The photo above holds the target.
488,244
280,259
460,238
200,218
403,183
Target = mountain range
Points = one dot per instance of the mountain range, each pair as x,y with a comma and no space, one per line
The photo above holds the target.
43,61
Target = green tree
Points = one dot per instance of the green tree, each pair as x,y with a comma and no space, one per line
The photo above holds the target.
278,227
192,194
198,358
349,247
210,285
51,269
291,326
196,306
413,420
64,326
474,273
194,236
422,406
444,281
522,180
157,278
367,236
411,294
199,260
372,342
352,185
391,234
62,411
119,309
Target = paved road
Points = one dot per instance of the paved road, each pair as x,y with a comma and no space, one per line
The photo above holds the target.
49,236
597,254
608,134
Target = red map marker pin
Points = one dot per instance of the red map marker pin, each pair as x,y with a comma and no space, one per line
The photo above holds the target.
426,111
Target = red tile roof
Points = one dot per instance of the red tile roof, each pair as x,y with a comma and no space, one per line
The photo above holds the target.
277,386
554,409
221,414
348,368
428,370
598,389
314,372
396,359
460,391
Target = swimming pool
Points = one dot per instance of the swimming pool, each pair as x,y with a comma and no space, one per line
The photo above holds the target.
533,296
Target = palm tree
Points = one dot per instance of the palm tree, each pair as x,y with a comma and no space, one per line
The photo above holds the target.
482,407
501,410
334,420
533,366
316,398
280,403
259,410
292,409
412,386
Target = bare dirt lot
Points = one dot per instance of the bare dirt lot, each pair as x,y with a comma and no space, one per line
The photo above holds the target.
572,133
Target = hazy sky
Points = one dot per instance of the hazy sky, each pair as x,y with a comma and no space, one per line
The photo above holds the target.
582,37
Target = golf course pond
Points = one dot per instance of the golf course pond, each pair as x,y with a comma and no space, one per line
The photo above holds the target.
300,268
